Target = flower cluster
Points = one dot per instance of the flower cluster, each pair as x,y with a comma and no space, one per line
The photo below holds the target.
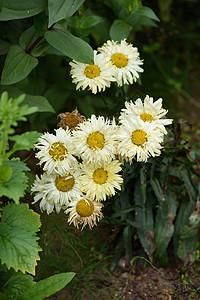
82,160
115,62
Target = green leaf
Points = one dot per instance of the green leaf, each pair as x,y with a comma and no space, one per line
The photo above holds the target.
18,65
127,234
86,22
60,9
4,47
21,9
70,45
7,172
128,4
40,102
164,227
119,30
155,184
17,285
24,141
15,187
147,12
144,220
40,23
45,288
19,248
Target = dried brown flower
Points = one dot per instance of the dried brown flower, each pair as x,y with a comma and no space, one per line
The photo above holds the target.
70,120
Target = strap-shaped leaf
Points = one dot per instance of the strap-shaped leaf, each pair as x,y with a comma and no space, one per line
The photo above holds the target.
164,227
19,248
60,9
21,9
70,45
18,65
46,287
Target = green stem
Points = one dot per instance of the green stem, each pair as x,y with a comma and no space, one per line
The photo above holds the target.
5,137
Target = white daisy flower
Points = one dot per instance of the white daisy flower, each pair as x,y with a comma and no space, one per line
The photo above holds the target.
94,140
57,189
46,204
96,77
148,111
125,60
55,151
138,139
84,211
99,181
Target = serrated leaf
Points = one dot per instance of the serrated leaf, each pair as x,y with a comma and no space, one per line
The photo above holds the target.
119,30
24,217
60,9
17,285
21,9
18,65
46,287
24,141
19,249
70,45
15,187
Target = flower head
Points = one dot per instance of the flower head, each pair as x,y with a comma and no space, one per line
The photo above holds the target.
148,111
70,120
99,181
55,151
96,77
138,139
125,60
57,190
84,211
94,140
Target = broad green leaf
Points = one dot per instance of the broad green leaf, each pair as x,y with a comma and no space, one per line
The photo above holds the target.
86,22
186,250
28,37
15,187
119,30
70,45
24,141
1,4
17,66
46,287
17,285
19,248
4,47
129,4
147,12
164,227
40,102
60,9
21,9
40,23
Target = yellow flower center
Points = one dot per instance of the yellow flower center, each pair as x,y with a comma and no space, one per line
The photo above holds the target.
146,117
100,176
96,140
92,71
119,60
57,151
84,208
64,183
139,137
71,120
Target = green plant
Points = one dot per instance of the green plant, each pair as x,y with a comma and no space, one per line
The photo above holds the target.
19,250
